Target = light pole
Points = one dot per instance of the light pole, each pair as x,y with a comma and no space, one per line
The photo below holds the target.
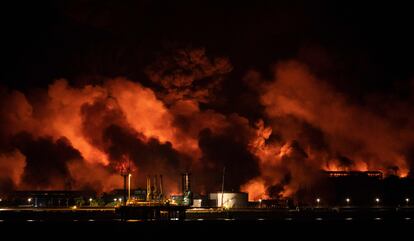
347,200
90,202
407,200
222,187
129,186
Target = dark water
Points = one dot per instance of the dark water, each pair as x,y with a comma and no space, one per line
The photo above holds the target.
370,224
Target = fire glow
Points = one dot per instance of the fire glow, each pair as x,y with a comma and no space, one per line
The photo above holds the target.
90,130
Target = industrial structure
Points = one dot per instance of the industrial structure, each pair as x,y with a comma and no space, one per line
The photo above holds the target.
335,188
373,174
155,191
154,207
43,199
186,189
229,199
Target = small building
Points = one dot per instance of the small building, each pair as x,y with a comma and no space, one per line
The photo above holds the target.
200,201
275,203
55,198
229,199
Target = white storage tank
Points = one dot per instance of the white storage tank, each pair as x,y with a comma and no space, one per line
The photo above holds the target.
230,199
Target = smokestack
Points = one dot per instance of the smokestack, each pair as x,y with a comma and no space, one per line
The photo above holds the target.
185,182
161,189
148,188
186,185
125,189
186,189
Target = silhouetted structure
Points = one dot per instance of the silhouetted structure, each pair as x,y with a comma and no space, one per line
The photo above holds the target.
47,198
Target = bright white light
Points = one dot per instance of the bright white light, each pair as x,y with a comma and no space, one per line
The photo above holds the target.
318,200
120,199
347,200
90,199
377,200
407,200
29,199
115,199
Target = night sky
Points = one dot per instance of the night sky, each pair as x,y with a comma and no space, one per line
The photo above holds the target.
333,80
360,47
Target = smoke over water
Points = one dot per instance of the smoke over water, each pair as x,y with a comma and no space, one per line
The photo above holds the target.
77,137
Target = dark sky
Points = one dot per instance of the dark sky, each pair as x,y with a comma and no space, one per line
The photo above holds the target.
365,47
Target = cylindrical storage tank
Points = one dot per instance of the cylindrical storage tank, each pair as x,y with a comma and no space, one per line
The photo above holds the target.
230,199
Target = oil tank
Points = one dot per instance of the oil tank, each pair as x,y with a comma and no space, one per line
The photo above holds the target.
229,199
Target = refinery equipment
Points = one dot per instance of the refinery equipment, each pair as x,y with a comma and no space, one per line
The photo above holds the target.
154,207
186,189
155,192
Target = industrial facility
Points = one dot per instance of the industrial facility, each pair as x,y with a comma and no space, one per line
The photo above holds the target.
337,189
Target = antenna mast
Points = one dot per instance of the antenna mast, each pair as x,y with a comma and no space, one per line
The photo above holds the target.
222,186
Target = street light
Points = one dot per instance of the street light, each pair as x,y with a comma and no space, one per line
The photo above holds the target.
90,201
115,199
407,200
129,186
377,200
347,200
260,203
318,200
29,200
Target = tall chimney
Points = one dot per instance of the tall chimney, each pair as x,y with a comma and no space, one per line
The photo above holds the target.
125,189
185,182
187,194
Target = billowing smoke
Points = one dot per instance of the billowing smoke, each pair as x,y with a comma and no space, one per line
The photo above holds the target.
67,137
311,126
47,161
